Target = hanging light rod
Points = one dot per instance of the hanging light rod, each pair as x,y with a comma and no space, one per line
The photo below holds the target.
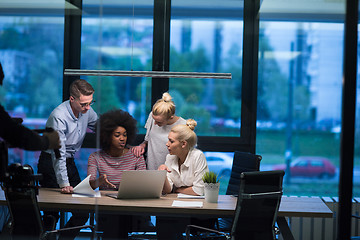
157,74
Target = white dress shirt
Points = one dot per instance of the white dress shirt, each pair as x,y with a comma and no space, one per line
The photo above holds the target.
191,171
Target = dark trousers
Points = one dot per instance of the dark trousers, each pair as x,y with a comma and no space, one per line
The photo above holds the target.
114,226
45,167
172,228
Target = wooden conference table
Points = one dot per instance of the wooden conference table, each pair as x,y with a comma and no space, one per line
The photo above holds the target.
52,199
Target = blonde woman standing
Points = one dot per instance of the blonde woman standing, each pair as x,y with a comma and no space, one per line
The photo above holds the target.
158,125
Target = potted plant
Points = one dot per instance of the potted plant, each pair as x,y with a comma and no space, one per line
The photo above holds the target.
211,187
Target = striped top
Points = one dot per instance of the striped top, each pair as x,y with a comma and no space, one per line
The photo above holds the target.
102,163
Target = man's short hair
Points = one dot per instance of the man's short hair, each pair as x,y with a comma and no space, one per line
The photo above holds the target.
81,86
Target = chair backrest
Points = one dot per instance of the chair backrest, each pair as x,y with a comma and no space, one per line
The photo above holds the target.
257,205
25,214
243,162
21,194
3,159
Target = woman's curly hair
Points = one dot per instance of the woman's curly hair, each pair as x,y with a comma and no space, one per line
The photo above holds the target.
111,120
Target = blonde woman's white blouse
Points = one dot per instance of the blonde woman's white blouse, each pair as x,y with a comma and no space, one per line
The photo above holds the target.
191,172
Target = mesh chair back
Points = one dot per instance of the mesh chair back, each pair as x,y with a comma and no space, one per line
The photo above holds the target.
258,202
20,192
243,162
25,213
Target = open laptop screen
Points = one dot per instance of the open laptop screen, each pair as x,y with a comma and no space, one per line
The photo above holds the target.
141,184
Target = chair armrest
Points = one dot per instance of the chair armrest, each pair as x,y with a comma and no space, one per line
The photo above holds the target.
188,227
355,216
260,195
48,233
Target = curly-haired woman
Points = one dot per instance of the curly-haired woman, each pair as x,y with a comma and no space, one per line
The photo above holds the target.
117,128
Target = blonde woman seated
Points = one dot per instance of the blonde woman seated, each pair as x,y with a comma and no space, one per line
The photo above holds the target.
185,165
117,129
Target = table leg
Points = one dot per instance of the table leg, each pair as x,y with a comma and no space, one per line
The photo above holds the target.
62,219
284,228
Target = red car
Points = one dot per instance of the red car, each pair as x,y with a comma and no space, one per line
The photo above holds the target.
310,167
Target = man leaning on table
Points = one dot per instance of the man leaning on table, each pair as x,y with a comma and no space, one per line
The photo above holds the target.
71,119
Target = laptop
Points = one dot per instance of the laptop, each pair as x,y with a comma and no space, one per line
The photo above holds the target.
137,184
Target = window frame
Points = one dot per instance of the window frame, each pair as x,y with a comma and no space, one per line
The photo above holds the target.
161,51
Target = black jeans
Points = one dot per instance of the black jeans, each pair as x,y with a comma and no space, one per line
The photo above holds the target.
45,167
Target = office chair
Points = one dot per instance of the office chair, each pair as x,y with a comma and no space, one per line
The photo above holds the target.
243,162
256,209
26,220
357,217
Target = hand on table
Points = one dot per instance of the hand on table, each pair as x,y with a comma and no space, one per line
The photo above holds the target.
67,189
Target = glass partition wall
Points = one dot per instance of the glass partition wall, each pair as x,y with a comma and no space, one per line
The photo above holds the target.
201,40
119,36
32,59
300,93
209,39
299,76
295,124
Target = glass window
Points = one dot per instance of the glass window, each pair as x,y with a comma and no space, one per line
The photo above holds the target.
208,38
356,177
300,88
316,163
221,164
32,58
301,164
118,36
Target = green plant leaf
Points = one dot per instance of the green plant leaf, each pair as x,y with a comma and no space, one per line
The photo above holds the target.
210,177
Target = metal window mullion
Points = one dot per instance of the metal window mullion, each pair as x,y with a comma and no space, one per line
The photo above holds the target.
72,43
161,47
250,73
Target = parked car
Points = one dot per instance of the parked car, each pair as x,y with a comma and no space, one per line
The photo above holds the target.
220,162
309,166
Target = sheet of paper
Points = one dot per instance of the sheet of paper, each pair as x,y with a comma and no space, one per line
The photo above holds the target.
97,194
84,189
177,203
181,195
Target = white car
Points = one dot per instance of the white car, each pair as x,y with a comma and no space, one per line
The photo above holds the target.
220,162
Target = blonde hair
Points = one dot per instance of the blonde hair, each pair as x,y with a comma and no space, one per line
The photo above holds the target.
164,106
185,132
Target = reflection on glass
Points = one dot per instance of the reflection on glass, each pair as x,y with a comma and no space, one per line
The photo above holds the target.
32,58
118,36
299,95
208,41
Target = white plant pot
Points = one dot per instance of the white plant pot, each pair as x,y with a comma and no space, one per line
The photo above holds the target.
211,191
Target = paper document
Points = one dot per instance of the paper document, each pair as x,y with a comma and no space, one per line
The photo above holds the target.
177,203
181,195
84,189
